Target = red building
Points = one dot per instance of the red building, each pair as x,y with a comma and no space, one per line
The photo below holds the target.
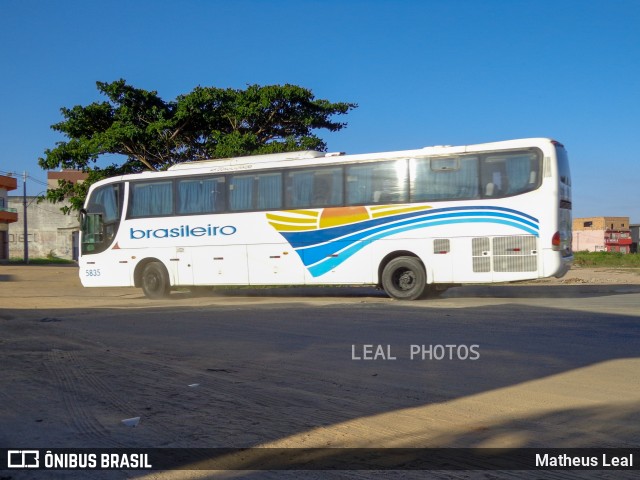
617,241
602,234
7,215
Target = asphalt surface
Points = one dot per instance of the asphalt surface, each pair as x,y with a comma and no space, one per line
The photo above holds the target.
335,367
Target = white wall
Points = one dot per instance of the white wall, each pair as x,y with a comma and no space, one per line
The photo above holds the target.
50,231
590,240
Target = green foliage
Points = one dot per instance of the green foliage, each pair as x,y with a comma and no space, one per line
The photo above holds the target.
606,259
41,261
149,133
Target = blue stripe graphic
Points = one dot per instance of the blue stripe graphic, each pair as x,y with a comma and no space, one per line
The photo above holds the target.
325,249
327,264
412,224
313,237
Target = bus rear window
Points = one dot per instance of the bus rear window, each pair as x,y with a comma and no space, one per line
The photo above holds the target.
563,165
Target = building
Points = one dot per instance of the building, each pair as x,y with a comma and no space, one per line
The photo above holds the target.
602,234
49,231
635,237
73,176
8,215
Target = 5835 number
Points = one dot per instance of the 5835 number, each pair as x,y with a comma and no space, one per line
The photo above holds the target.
92,272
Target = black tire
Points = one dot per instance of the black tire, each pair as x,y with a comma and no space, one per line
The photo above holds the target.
155,281
404,278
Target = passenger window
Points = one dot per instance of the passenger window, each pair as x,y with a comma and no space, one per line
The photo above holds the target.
314,188
372,183
255,191
151,199
449,178
201,195
510,174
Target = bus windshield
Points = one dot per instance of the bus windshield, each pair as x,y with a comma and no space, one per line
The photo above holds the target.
101,218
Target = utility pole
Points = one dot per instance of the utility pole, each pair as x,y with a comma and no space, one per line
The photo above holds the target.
24,217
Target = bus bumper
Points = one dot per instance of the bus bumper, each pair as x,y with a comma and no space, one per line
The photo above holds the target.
555,265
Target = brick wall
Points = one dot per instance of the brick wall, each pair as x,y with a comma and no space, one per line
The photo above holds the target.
601,223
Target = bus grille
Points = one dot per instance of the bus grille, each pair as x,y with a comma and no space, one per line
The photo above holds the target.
508,254
441,245
515,254
481,255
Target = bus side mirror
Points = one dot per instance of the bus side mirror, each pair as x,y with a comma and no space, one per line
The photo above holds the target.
82,218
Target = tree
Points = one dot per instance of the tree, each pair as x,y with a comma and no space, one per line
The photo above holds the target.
148,133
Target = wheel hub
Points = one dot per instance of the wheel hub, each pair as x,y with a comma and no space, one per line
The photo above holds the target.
406,280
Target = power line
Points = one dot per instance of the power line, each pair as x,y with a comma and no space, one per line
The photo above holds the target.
15,174
37,181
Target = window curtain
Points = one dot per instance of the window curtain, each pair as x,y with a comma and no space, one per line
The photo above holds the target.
519,172
468,178
269,191
241,196
152,199
301,189
336,188
429,184
198,196
360,184
105,201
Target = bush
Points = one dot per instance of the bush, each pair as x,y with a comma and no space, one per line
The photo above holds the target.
41,261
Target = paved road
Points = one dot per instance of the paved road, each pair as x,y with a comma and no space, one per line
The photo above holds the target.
532,366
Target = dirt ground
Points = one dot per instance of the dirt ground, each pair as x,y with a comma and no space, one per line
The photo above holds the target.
53,286
606,390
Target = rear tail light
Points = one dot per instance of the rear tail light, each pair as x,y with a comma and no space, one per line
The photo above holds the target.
555,241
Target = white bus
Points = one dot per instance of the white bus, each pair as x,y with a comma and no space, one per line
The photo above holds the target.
412,222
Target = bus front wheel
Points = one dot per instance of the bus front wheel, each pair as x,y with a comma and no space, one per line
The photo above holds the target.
404,278
155,281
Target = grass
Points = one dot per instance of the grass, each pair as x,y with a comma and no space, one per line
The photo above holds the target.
606,259
41,261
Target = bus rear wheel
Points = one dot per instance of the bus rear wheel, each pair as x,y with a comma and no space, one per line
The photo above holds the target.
404,278
155,281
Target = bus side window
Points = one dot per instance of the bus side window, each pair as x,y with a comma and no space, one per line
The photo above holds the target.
314,188
510,174
201,195
448,178
493,177
255,191
384,182
327,187
151,199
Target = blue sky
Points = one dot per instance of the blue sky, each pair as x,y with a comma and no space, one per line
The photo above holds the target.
423,72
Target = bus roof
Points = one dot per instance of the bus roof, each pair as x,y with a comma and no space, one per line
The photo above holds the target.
306,158
312,154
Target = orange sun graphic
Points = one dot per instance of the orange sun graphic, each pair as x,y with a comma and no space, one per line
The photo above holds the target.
334,217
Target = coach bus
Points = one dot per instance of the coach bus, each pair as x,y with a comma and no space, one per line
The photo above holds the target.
412,222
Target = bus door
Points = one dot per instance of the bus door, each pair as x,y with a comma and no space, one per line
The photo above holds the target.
183,265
